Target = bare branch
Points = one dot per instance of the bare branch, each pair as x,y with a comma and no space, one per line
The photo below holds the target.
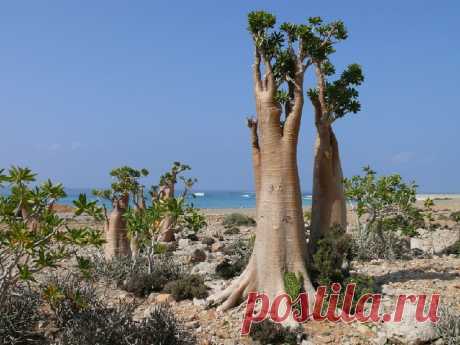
269,78
292,124
321,89
256,70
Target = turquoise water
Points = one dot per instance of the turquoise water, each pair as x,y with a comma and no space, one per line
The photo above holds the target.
206,199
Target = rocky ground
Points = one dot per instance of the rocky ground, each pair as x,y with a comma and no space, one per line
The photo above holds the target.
432,272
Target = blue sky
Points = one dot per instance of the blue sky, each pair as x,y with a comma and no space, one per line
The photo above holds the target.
86,86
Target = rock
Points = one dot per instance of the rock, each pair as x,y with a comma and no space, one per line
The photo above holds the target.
152,297
433,241
204,268
199,302
307,342
164,298
381,338
198,255
183,243
217,247
409,331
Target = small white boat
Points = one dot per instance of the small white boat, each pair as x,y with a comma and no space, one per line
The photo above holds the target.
198,194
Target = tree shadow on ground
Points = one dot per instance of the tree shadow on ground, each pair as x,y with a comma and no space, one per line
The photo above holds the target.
404,276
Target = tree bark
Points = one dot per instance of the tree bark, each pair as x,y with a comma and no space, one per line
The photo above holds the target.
116,235
328,201
280,244
167,226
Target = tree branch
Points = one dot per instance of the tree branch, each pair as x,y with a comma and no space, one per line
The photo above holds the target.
292,124
321,83
269,78
256,70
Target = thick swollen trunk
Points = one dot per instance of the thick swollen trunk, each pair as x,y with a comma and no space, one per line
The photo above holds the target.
116,235
280,244
167,224
328,204
134,240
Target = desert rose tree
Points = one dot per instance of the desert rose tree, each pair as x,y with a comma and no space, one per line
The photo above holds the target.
281,58
126,187
331,100
166,192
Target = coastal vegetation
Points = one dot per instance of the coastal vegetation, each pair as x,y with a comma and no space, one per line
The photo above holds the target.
140,264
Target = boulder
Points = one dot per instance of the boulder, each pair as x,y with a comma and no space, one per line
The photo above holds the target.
409,331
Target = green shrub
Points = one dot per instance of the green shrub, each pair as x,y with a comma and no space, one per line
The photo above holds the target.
238,219
386,210
455,216
18,318
160,248
331,255
187,287
293,284
267,332
67,296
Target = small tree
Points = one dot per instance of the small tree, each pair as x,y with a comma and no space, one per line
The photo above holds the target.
126,187
331,101
147,225
32,236
385,207
166,191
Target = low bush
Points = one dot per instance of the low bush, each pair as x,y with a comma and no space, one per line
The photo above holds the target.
188,287
388,246
208,241
232,231
267,332
331,257
67,296
448,326
18,318
238,219
135,277
455,216
115,326
454,249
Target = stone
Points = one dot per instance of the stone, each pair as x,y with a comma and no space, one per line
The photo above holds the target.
199,302
409,331
183,243
164,298
204,268
217,247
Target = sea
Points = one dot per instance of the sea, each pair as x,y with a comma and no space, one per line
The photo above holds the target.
221,199
199,199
